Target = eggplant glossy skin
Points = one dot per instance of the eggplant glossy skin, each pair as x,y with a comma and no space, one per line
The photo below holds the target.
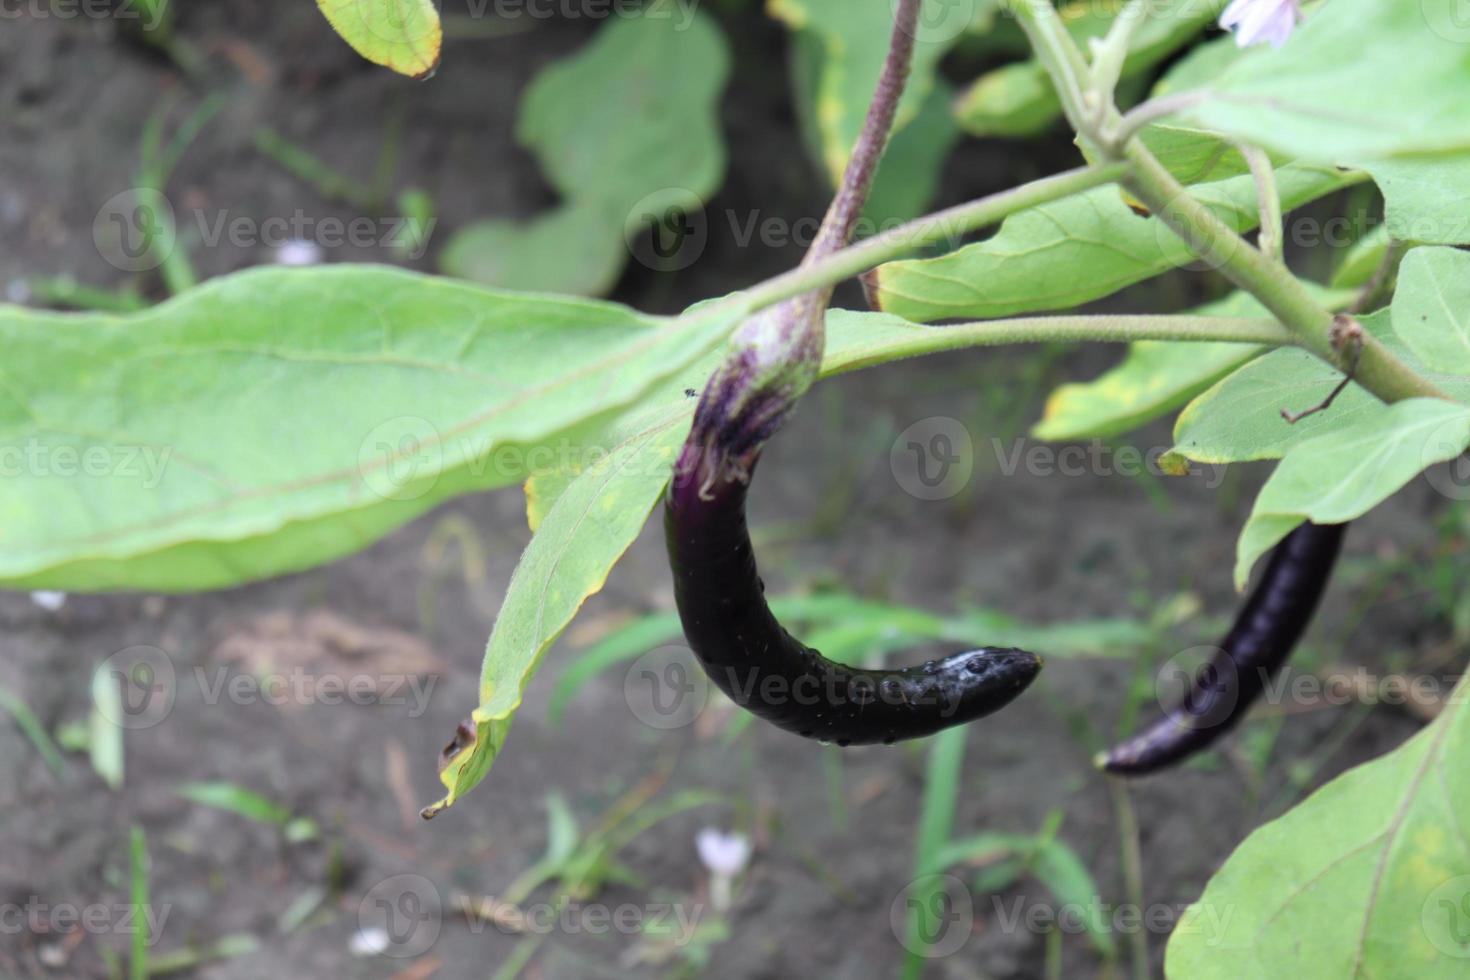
763,668
1257,646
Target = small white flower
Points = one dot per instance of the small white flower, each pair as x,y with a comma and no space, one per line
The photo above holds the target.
724,854
369,942
49,601
1254,21
299,251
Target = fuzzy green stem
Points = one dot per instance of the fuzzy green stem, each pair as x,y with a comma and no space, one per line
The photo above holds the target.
946,226
1271,239
1061,58
1377,370
1112,329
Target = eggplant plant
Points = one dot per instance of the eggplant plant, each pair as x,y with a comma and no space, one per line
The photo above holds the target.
1354,387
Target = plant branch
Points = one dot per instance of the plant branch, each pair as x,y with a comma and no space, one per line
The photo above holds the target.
862,165
1377,369
1112,329
1272,236
1129,123
1061,58
947,226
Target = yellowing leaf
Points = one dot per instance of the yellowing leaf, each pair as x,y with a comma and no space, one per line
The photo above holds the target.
404,35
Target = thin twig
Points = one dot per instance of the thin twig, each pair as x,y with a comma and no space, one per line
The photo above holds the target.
1152,111
862,165
1272,237
1346,333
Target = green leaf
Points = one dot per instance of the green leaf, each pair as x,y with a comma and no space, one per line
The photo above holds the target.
1363,260
1431,308
276,419
1058,867
1071,251
1360,80
634,113
1425,200
104,735
1239,419
626,128
404,35
1154,378
1368,877
583,534
1016,101
235,799
31,727
1343,474
855,36
576,249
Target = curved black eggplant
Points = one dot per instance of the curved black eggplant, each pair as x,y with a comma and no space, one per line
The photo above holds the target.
766,670
1258,644
773,360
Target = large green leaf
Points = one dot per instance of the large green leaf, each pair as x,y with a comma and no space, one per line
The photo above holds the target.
854,35
278,418
1431,309
1239,419
1341,475
1426,200
1072,251
576,249
404,35
1154,378
634,113
626,129
1369,877
1360,80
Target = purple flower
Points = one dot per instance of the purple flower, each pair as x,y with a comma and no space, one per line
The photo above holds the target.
1254,21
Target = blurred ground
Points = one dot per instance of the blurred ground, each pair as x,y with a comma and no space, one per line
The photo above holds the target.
816,902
